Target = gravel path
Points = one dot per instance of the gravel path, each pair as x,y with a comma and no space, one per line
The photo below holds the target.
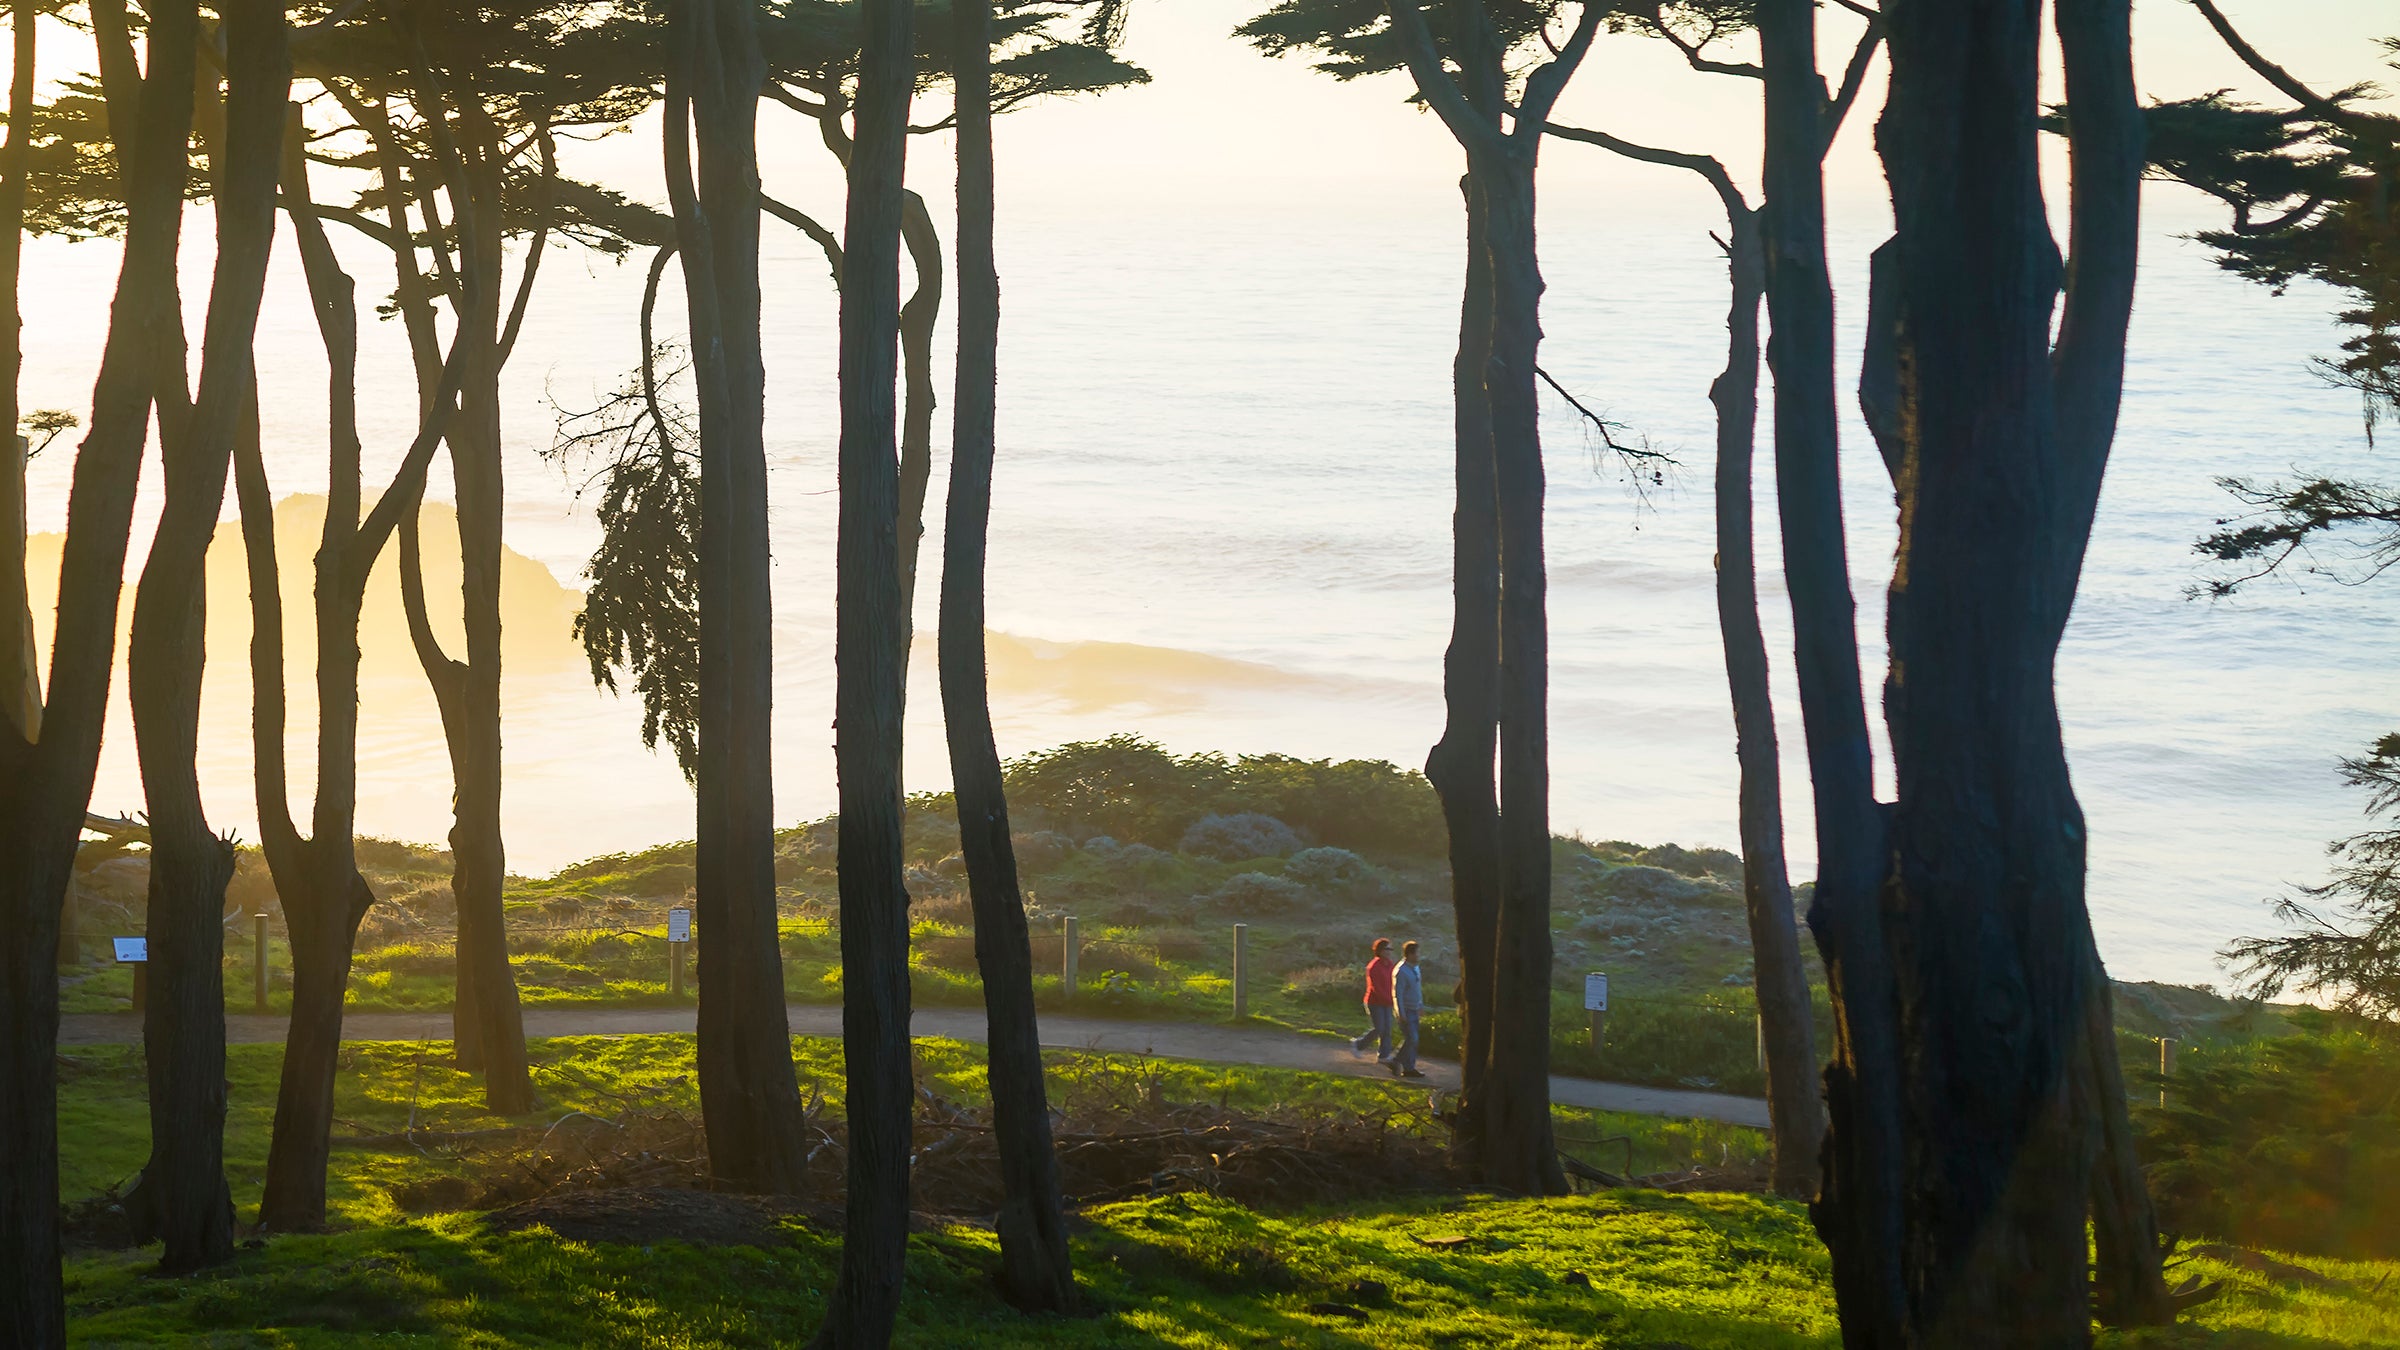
1321,1052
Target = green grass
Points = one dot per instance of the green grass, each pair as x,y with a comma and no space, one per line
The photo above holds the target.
1622,1269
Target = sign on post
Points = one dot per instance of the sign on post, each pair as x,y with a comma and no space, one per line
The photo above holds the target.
132,951
1595,992
679,925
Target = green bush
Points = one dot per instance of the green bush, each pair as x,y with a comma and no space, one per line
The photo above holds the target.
2291,1143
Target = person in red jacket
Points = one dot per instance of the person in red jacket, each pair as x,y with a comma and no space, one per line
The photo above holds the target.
1378,1003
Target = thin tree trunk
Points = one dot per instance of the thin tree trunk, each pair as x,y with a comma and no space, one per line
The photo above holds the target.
187,1201
1519,1153
750,1100
1858,1205
871,654
1036,1272
45,786
1793,1108
917,319
488,1024
317,879
1461,765
20,661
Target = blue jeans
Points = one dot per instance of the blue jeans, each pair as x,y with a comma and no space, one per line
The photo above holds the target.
1379,1027
1406,1057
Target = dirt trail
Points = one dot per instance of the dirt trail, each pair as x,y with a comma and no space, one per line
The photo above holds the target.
1270,1047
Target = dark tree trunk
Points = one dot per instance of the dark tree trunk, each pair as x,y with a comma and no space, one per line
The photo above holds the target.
1857,1209
1498,662
186,1200
45,785
1518,1150
1036,1274
917,320
488,1024
322,930
316,878
870,654
20,662
750,1100
1461,764
1956,1196
1793,1107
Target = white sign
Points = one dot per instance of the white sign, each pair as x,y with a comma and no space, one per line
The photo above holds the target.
132,951
679,925
1595,992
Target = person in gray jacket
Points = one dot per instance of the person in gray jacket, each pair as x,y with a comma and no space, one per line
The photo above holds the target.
1408,1007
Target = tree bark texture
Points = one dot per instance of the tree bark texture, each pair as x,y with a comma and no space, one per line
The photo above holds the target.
1036,1272
1505,1121
489,1025
1461,765
187,1200
1785,1014
20,661
871,655
1956,1197
750,1100
316,876
45,785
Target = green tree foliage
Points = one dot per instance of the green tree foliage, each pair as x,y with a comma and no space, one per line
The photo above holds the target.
1136,791
2313,192
642,612
2346,940
2291,1143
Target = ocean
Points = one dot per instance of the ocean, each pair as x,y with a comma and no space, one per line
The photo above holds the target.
1221,521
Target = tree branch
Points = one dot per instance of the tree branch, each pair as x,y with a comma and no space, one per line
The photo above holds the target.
806,224
1854,76
1440,92
1704,165
2284,80
1543,86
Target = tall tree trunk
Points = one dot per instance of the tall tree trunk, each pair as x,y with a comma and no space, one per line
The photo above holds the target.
917,319
45,785
1858,1205
20,661
1036,1273
1991,986
488,1024
750,1100
871,654
1519,1153
1461,764
186,1199
317,879
1785,1016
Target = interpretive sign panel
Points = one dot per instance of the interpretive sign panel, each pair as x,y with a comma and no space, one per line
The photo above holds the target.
1595,992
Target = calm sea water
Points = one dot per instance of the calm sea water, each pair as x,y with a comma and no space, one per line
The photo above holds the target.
1221,522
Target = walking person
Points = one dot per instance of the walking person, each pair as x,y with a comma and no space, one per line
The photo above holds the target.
1408,1009
1378,1003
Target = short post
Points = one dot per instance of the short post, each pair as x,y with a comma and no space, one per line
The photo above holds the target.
1241,971
141,987
135,952
1066,964
1762,1042
679,936
2166,1066
1595,1002
258,958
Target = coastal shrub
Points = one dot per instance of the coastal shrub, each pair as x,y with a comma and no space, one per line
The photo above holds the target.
1255,895
1649,886
1692,862
1319,981
1364,804
1328,868
2291,1143
1125,787
1234,838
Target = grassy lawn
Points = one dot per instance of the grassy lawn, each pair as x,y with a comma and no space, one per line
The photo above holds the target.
1616,1269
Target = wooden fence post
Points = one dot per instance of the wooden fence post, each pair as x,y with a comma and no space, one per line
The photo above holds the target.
2166,1066
1067,961
1241,971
